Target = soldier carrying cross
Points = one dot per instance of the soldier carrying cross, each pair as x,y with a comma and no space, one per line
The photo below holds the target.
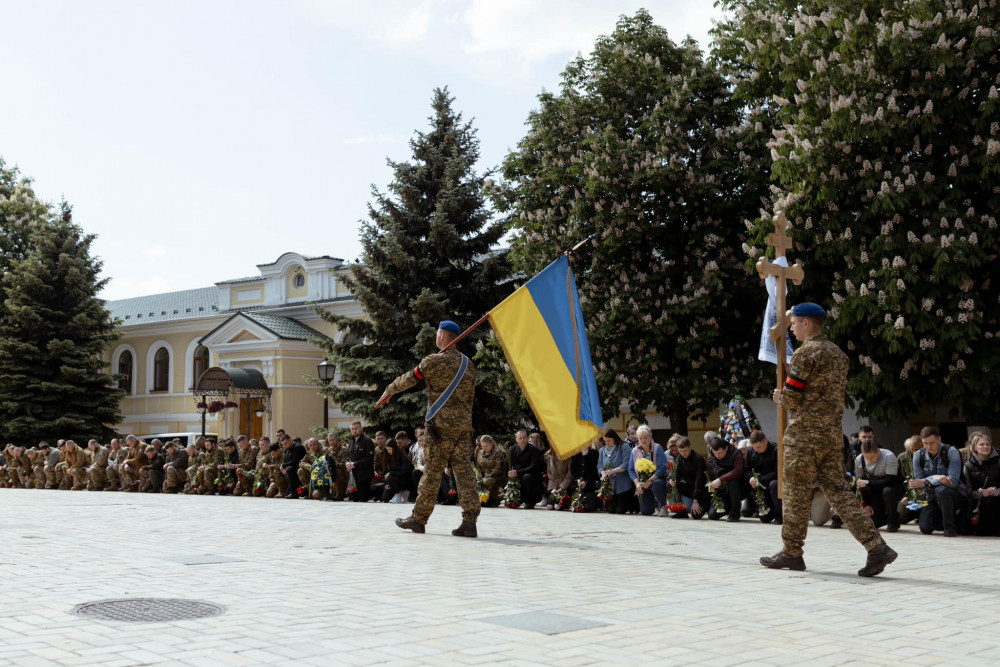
814,390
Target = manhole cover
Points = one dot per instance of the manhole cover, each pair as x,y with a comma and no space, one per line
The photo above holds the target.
148,610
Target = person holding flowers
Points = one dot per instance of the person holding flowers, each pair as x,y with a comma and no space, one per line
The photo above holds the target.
649,477
613,465
761,472
560,478
982,471
726,466
491,462
690,479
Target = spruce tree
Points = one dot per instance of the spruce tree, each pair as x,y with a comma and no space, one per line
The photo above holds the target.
645,152
429,252
53,338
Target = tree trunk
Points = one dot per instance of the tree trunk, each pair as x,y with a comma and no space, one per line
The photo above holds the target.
679,416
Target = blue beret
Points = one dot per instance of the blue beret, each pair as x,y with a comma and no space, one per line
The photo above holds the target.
448,325
808,309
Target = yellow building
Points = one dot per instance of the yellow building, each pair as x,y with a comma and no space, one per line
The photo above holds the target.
255,332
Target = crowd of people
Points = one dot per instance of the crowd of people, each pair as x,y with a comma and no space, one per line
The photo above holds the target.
937,486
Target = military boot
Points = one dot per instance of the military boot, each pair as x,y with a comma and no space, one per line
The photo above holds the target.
409,523
782,561
467,529
878,558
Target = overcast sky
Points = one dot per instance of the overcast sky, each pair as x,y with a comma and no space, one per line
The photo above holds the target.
199,139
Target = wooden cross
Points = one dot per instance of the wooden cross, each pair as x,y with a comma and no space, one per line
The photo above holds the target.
781,243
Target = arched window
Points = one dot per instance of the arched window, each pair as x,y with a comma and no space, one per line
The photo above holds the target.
161,370
200,361
299,281
125,365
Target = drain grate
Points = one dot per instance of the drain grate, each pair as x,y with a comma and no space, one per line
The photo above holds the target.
148,610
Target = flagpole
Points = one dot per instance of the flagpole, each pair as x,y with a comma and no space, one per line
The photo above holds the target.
482,319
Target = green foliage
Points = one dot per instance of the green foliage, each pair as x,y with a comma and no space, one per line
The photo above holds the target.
20,212
53,337
887,157
429,253
645,150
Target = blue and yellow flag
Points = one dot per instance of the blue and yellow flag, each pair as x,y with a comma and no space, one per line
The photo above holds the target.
540,327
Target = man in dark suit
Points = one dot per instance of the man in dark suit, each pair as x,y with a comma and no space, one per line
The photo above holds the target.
361,462
294,453
527,464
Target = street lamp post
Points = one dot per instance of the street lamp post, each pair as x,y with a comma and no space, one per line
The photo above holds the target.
325,372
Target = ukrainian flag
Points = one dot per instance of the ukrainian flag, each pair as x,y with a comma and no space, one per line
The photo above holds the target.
540,327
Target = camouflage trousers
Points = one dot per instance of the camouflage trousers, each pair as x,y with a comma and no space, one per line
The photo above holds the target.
175,479
806,465
206,480
17,477
455,452
39,473
304,476
244,484
63,480
98,479
279,482
79,476
52,476
130,478
114,479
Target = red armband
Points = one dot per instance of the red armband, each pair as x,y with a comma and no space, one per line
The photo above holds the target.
417,373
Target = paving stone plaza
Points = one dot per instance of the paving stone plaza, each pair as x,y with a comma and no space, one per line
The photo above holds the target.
310,583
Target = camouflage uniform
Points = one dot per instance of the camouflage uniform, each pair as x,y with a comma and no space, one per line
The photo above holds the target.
136,460
53,473
814,392
244,481
305,469
76,468
454,425
213,459
279,480
263,473
19,470
116,457
492,472
192,472
38,468
339,456
99,469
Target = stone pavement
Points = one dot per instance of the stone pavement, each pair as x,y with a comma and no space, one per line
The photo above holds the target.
309,583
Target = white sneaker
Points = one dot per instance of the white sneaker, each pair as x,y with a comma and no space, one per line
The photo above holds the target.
663,511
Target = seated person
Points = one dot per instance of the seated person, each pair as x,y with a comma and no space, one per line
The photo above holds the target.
560,478
176,470
692,476
491,462
726,466
153,471
612,466
527,465
937,469
653,491
880,484
761,458
398,486
905,465
982,472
